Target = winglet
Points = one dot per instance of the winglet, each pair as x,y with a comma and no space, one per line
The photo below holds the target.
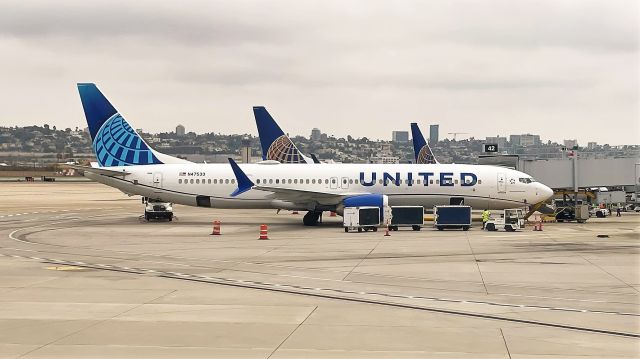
314,158
244,183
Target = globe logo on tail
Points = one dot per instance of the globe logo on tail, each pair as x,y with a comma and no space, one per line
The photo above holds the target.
284,151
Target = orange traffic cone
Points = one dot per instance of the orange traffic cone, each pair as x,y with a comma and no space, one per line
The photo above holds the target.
263,232
216,228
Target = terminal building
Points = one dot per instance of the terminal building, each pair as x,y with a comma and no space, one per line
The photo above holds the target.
575,173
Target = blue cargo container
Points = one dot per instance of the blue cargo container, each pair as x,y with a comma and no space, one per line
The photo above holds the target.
452,217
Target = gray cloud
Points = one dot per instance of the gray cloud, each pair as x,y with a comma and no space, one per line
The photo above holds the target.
558,68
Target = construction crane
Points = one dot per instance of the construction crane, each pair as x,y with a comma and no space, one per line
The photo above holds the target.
457,133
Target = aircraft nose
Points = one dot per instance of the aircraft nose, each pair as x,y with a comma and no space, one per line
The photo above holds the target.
545,192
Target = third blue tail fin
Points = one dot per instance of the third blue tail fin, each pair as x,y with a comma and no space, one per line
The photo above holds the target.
421,149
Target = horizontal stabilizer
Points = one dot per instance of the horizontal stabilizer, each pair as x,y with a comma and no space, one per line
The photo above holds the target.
97,170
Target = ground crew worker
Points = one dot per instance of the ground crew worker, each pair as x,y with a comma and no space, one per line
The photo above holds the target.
618,212
485,217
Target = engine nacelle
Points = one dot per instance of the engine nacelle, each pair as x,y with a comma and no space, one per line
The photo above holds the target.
365,200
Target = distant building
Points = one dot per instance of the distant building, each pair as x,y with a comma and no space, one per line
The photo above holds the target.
592,145
400,136
570,143
525,140
384,159
180,130
245,149
434,133
316,134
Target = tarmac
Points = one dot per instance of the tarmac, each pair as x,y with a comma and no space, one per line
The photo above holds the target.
83,276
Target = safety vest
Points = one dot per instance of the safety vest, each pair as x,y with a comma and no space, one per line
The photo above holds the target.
485,216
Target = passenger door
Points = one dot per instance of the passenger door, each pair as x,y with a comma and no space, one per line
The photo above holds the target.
157,180
502,183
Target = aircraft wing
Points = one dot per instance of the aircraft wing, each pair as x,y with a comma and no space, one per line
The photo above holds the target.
300,196
286,194
98,170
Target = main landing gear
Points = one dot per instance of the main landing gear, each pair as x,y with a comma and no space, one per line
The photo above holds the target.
311,218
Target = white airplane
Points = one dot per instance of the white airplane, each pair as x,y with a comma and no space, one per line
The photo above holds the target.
126,162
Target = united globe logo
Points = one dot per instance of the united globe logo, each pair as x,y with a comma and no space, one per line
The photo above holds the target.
284,151
425,156
117,144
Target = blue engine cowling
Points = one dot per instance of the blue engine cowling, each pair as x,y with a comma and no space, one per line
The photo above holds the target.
365,200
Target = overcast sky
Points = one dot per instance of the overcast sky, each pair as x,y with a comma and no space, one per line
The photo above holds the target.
561,69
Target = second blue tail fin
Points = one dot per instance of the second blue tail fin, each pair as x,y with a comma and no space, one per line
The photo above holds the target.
275,144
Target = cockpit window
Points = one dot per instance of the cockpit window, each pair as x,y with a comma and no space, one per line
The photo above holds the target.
526,180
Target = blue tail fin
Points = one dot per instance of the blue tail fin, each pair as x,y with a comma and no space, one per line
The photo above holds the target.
421,149
115,143
275,144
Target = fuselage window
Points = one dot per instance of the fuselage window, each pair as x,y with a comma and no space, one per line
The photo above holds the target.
209,181
344,181
351,181
430,181
437,181
233,181
525,180
295,181
356,181
479,181
197,181
307,181
226,181
289,181
313,181
418,181
456,181
380,181
180,181
277,181
326,181
270,181
191,181
258,181
215,181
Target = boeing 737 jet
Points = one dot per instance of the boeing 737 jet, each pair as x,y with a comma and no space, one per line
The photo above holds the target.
126,162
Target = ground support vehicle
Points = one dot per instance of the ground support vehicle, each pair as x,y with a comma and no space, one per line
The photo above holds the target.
361,218
407,216
452,217
158,210
579,213
510,220
599,212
